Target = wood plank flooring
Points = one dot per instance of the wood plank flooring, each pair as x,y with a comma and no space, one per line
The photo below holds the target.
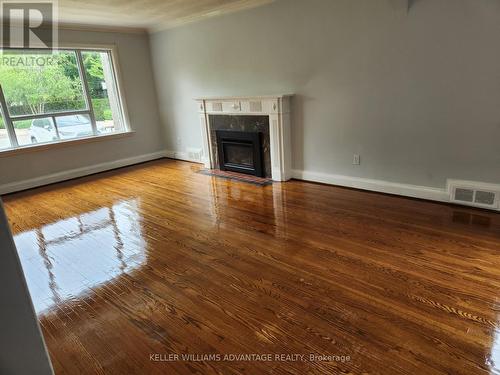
132,270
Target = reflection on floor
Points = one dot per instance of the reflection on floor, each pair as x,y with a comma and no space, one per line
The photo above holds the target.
157,259
67,251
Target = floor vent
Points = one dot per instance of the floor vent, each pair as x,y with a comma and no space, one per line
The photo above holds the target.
475,194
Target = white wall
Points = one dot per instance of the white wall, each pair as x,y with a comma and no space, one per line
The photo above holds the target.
137,78
417,94
22,348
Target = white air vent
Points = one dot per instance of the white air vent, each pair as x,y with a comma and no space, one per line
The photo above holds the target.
194,154
464,195
476,194
485,197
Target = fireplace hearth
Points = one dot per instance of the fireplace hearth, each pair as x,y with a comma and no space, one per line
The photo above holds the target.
240,151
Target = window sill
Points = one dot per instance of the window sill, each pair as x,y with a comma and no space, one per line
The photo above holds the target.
67,143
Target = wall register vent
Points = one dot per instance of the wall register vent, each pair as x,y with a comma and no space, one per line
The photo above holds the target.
474,194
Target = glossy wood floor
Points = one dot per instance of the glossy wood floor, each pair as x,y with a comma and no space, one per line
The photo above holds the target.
159,260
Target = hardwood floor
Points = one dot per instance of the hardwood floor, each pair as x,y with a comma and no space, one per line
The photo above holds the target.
128,269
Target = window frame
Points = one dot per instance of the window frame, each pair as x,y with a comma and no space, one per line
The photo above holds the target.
111,52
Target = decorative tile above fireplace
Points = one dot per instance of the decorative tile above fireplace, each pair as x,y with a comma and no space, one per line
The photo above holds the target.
267,115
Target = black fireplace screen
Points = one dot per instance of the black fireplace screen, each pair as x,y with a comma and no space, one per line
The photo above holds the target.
240,151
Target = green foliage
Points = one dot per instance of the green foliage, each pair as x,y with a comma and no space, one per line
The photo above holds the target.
64,105
23,124
52,87
32,87
68,63
108,115
93,64
95,74
102,109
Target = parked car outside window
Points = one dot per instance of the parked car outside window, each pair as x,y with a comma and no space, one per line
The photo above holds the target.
66,127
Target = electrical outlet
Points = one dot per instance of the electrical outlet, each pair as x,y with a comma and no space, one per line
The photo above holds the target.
356,160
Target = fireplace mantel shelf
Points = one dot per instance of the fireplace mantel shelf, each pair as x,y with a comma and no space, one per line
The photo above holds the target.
249,97
277,107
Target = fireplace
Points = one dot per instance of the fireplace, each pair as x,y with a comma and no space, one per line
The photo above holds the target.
269,115
240,151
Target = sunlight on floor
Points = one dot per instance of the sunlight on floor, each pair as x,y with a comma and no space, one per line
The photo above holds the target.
66,259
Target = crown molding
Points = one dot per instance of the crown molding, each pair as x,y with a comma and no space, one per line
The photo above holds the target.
90,27
103,28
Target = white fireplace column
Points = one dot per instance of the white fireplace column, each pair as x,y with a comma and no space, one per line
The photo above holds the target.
276,107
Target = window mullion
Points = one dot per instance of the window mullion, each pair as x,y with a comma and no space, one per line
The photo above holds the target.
8,121
86,90
49,114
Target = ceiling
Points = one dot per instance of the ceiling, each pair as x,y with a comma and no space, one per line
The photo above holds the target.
151,15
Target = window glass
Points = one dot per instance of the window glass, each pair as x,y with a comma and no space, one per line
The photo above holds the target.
35,131
74,126
38,83
52,96
102,91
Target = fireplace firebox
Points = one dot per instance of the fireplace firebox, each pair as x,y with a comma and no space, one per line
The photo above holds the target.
240,151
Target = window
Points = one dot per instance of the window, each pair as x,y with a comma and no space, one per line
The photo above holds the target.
54,96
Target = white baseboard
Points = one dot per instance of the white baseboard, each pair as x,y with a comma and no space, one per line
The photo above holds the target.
407,190
413,191
179,155
78,172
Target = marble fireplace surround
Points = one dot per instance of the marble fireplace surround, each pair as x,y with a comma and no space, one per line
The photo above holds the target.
276,107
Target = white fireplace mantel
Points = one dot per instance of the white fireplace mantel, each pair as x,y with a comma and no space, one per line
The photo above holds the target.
277,107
